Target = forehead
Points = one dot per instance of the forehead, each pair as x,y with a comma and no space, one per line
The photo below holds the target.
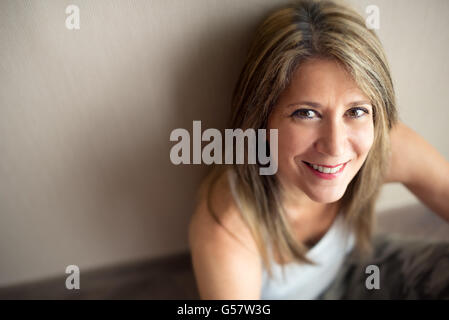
323,81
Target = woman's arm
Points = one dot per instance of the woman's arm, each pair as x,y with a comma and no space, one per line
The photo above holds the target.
421,168
225,266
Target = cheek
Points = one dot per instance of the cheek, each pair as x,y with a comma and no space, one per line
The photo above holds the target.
293,141
285,134
363,138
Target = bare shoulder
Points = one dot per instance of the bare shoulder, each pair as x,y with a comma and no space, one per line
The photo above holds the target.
224,255
203,224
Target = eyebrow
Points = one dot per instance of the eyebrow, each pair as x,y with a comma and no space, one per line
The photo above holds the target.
317,105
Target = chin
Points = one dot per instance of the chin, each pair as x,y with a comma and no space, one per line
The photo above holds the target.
326,197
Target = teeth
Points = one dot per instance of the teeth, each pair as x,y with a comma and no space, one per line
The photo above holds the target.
325,169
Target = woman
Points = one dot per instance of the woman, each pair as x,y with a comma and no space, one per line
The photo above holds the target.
320,77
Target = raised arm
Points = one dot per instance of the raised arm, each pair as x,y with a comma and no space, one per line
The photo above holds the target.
421,168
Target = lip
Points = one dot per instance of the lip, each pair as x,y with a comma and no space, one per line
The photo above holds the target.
327,176
326,166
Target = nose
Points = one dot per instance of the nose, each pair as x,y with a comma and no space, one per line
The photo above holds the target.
332,138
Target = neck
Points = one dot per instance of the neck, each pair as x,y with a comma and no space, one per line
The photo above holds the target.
299,206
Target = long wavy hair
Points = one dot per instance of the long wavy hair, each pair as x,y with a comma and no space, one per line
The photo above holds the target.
290,35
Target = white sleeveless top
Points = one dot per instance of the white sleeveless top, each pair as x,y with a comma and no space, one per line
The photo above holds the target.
304,281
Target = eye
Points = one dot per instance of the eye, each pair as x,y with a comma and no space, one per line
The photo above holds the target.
357,112
304,114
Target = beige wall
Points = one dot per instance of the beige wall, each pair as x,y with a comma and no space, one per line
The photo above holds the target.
85,118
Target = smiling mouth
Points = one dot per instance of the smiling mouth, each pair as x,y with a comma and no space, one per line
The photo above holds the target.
327,169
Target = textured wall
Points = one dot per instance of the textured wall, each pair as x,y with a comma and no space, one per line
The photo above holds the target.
85,117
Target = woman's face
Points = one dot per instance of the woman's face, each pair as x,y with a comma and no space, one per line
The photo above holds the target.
323,119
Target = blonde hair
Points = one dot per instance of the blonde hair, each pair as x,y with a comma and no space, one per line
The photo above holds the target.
287,37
